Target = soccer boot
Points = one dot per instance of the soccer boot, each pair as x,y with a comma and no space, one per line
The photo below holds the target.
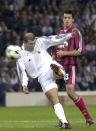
59,124
58,70
90,122
66,126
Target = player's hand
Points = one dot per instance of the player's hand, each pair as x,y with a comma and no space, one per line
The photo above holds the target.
74,32
60,53
25,90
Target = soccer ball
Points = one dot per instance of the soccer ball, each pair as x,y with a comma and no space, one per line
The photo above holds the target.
13,52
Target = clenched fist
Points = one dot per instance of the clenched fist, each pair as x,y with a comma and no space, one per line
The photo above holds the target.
25,90
74,32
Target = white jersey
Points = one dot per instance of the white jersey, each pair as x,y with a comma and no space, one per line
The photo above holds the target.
38,62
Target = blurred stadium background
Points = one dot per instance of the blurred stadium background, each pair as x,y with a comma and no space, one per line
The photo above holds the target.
44,17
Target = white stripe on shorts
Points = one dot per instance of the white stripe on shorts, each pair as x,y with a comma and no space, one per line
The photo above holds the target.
73,74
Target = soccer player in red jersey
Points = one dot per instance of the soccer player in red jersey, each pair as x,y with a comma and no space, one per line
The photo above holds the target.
66,54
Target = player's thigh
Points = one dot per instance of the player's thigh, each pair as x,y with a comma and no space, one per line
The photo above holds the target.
72,75
52,96
47,81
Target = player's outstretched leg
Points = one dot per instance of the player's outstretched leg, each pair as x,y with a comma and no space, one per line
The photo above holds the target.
59,71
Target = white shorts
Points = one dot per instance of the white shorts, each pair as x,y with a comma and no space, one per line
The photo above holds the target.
47,81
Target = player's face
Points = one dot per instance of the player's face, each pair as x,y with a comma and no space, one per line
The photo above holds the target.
29,46
68,20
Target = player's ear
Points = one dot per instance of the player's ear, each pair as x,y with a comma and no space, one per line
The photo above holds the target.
63,19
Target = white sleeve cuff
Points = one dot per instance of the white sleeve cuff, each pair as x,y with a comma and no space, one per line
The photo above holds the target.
25,83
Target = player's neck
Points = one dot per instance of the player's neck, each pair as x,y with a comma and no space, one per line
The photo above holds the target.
67,27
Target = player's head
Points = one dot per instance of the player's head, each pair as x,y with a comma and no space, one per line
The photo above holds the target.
68,18
29,41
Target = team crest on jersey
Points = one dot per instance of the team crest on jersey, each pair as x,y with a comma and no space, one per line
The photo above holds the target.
63,45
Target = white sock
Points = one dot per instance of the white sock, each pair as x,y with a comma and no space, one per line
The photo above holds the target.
60,113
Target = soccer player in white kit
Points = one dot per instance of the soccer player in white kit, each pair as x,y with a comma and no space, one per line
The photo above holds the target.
35,62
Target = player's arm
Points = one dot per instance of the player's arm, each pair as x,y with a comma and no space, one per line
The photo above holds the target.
68,53
56,39
59,39
22,75
25,89
73,53
78,51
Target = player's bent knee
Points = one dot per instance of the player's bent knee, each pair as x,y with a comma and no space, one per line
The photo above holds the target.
52,96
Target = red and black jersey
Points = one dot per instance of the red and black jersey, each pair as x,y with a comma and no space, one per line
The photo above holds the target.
75,43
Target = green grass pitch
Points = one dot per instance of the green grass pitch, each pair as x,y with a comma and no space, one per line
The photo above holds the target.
42,118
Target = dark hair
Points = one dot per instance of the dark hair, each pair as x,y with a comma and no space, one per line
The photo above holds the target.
29,36
69,12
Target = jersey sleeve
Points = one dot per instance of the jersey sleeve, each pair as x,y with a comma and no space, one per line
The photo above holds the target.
21,72
53,40
80,44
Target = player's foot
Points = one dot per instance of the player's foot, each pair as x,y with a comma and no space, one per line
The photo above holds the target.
64,125
90,122
59,124
58,70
